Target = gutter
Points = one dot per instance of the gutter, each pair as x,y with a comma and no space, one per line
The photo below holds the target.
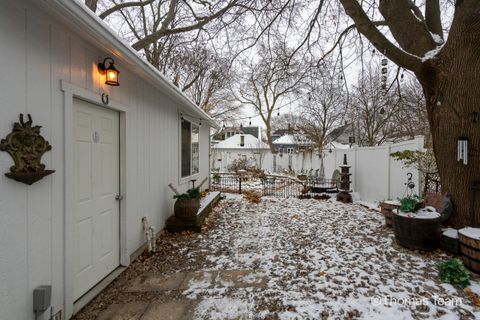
84,20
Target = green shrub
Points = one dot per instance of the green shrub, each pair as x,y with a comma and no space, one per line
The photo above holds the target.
453,272
408,204
190,194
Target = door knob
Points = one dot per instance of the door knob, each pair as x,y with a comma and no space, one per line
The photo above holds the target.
118,197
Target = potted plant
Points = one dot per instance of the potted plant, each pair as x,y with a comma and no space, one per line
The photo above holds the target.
417,226
187,204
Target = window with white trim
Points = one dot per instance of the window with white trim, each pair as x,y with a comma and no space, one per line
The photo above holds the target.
190,152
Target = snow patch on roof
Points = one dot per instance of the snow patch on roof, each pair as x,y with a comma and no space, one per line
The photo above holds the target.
286,139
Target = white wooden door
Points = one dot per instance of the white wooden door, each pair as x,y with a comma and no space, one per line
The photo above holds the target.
96,211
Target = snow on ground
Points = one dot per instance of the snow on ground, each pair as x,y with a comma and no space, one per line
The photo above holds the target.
322,259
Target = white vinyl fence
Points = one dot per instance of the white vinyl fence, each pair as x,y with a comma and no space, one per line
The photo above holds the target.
375,176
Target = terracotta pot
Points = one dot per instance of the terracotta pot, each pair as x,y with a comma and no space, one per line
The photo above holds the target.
186,209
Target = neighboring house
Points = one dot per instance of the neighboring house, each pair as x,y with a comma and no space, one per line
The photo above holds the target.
341,134
292,143
77,228
238,146
228,132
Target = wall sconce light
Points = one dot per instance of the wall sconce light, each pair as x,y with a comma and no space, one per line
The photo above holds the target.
110,72
463,150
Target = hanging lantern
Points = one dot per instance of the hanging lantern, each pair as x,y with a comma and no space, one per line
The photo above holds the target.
384,70
250,123
110,72
462,150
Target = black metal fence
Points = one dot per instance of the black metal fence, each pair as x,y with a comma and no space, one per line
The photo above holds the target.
431,183
272,185
226,182
281,187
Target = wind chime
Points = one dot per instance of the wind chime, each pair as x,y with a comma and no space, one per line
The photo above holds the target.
384,74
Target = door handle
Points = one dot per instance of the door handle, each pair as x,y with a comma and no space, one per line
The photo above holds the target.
118,197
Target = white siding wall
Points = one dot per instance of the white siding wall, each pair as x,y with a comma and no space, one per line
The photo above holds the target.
35,54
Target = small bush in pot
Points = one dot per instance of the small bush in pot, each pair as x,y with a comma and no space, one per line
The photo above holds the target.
410,204
187,204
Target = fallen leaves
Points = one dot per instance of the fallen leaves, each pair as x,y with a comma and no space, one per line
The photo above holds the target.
252,196
474,298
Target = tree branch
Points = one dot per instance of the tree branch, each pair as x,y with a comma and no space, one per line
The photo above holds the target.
409,29
121,6
369,30
433,17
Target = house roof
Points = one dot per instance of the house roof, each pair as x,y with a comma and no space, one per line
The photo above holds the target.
250,142
95,30
286,139
338,145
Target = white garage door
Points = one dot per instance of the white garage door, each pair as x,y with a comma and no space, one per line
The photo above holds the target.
96,211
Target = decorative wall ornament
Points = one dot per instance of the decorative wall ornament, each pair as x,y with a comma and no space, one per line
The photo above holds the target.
26,146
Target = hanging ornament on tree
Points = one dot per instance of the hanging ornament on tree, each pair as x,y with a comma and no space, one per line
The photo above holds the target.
278,112
250,123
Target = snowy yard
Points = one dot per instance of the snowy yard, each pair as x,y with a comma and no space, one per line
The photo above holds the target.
292,259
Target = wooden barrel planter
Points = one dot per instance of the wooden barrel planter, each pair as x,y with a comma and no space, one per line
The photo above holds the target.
186,209
470,248
387,210
417,233
449,242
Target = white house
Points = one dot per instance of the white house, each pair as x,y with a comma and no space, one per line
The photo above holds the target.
239,146
114,150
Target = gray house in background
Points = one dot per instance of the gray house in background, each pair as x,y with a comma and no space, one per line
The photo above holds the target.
228,132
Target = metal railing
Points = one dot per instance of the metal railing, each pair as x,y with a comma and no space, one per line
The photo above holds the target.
431,183
226,182
272,185
281,187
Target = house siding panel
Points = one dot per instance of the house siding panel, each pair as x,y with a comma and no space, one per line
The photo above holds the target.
37,52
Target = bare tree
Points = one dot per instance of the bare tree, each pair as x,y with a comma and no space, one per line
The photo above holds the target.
411,117
324,107
269,82
373,109
449,72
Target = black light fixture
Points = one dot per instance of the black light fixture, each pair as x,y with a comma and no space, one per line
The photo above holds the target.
108,69
181,117
250,123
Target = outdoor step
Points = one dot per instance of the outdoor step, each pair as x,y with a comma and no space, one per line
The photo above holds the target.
173,310
127,311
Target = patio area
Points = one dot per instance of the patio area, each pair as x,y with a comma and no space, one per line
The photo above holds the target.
285,259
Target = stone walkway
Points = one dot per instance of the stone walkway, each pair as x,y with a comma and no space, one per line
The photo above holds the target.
181,309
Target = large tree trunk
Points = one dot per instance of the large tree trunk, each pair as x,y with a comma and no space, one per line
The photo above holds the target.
269,139
451,84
